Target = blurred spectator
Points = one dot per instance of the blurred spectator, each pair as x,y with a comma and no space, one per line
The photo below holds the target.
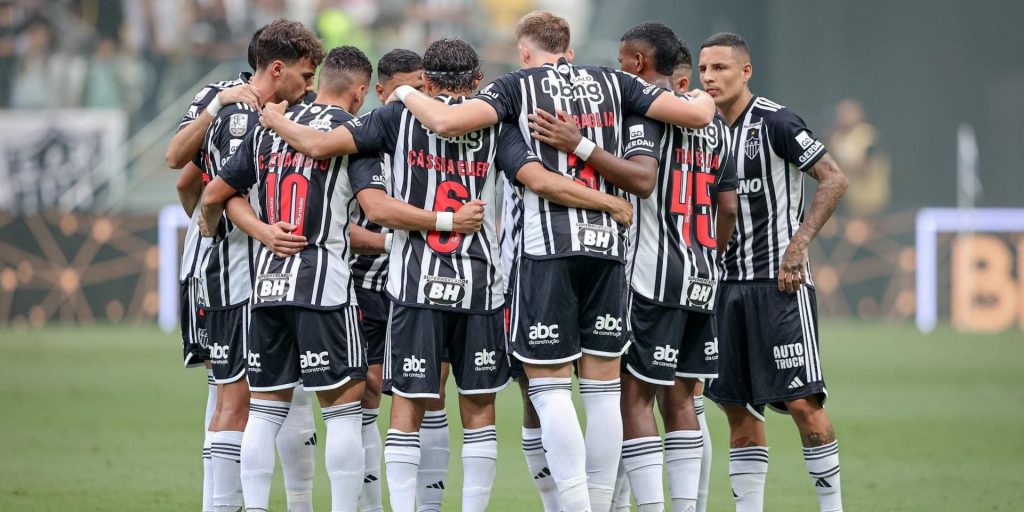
112,80
8,32
45,77
853,143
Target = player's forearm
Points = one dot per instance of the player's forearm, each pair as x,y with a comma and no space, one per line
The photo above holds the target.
211,213
310,141
186,143
190,188
725,222
636,175
392,213
450,120
365,241
695,113
244,217
832,184
566,192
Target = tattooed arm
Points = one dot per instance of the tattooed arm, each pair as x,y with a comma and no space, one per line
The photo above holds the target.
832,185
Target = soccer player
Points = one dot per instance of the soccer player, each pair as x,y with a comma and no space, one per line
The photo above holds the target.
570,256
450,289
670,268
767,318
304,319
184,146
287,55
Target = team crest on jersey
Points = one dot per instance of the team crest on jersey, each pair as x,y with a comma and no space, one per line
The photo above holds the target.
752,141
444,291
237,124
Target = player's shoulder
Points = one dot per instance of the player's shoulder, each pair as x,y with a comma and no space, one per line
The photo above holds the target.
243,78
318,115
770,111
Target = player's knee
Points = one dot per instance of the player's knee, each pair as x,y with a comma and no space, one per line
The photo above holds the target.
804,410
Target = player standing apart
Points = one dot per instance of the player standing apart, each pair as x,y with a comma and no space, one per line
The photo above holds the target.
767,317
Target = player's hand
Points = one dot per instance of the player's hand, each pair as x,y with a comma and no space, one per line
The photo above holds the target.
622,211
280,240
243,93
559,132
793,268
273,112
469,217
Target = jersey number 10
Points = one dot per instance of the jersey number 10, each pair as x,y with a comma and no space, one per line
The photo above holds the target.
697,194
292,199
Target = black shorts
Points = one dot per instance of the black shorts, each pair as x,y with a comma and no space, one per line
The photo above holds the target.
228,329
373,320
564,307
194,339
768,342
320,349
670,342
418,338
514,364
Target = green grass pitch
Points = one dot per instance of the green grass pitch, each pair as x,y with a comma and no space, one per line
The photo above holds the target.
105,418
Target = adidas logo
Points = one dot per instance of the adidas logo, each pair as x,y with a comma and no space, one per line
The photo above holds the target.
436,485
797,383
311,441
544,473
370,478
821,482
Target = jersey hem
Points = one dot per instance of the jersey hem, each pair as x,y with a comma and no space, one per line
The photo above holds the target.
303,305
445,308
619,259
672,305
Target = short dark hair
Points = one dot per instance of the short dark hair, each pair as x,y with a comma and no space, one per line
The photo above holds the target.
288,41
662,39
734,41
397,61
451,64
253,61
684,56
547,30
341,65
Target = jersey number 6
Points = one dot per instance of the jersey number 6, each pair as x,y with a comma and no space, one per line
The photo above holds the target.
450,196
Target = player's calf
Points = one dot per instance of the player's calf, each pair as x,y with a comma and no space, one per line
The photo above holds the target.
479,450
821,450
343,453
641,447
748,457
533,450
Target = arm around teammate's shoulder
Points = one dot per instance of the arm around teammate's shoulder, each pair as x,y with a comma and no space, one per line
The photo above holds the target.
450,120
695,111
306,139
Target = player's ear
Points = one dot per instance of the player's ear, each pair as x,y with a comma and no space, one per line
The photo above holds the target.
684,84
748,70
276,68
569,55
380,92
524,56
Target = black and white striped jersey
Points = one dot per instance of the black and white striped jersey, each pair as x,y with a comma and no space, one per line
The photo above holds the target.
597,98
227,275
437,269
195,246
772,147
672,256
317,196
511,228
370,271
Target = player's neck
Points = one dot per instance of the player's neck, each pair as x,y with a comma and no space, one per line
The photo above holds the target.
338,100
263,82
732,110
662,81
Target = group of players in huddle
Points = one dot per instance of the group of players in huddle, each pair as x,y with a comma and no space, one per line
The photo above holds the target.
651,238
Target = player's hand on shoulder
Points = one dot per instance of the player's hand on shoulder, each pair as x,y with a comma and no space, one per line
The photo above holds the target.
279,239
469,217
559,132
273,112
243,93
793,268
622,211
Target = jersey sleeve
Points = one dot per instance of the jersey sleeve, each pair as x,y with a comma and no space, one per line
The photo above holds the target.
240,169
503,95
637,95
792,140
727,179
513,152
377,130
643,137
366,170
200,101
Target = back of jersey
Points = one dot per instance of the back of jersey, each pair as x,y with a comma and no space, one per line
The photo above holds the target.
596,98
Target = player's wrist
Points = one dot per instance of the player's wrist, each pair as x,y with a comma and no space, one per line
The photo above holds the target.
444,221
403,91
584,148
389,240
214,107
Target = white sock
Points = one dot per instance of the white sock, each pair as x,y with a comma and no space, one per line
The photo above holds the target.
265,419
296,445
641,458
823,466
402,461
343,455
434,451
227,489
479,464
705,456
748,468
683,449
603,438
370,497
211,406
537,463
620,500
563,439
